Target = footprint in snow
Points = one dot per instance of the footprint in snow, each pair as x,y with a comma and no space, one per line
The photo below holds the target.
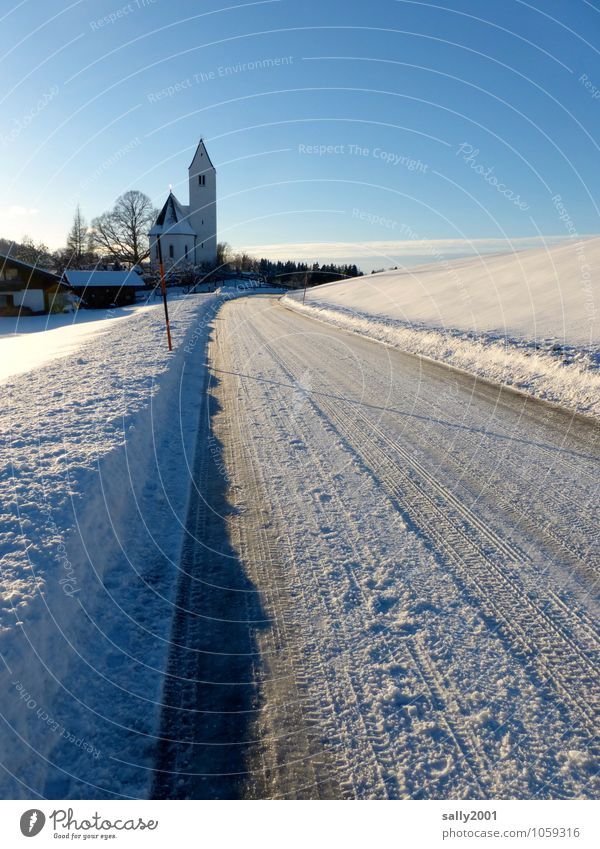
321,496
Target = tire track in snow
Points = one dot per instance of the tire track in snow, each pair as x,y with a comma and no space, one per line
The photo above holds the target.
384,753
563,532
477,556
288,765
465,755
521,617
328,604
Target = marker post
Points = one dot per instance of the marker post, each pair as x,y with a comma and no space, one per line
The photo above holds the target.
163,286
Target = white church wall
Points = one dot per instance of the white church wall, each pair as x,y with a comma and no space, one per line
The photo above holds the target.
177,250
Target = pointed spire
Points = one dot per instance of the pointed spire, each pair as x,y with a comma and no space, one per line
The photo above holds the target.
204,153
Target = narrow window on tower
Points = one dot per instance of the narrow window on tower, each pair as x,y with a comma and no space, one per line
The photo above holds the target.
186,251
171,252
201,179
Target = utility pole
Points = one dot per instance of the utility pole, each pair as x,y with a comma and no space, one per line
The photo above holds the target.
305,284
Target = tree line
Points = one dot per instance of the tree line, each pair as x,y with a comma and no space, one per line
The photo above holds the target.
283,272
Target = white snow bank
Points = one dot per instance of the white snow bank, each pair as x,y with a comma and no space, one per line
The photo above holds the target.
29,342
528,319
96,445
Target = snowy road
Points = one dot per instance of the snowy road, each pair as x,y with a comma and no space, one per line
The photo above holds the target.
406,604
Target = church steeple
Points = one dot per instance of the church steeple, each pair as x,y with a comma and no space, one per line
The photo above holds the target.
201,156
203,204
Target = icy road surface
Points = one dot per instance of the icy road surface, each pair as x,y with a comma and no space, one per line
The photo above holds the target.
406,603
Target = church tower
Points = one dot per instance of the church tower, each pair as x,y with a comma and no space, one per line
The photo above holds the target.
188,234
203,205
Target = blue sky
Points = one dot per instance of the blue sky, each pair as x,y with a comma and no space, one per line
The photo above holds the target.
346,130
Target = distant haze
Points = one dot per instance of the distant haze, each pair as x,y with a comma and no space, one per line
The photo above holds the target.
405,253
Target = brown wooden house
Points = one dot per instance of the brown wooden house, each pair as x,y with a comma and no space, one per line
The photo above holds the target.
100,289
28,290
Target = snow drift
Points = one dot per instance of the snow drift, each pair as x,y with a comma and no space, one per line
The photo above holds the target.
527,319
94,492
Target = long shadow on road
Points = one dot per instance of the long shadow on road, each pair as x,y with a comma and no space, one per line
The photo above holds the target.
211,690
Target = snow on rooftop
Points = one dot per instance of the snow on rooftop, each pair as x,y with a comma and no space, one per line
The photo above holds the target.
103,278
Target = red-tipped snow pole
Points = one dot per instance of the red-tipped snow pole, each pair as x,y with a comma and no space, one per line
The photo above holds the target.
163,287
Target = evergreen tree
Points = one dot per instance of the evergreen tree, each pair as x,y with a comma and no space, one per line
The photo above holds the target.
77,241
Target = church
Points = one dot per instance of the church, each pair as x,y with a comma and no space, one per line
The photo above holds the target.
188,234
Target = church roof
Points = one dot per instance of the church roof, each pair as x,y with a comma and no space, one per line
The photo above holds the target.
202,146
172,219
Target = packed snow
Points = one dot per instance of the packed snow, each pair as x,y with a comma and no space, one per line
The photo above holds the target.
527,319
424,549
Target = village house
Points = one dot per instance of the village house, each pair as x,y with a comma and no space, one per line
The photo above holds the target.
28,290
100,289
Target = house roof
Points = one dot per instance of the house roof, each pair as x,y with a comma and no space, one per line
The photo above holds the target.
29,273
172,220
203,146
113,279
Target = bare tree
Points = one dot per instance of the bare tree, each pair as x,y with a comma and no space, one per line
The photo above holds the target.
123,232
27,251
224,253
243,262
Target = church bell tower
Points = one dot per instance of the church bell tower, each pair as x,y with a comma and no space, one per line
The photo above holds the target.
203,205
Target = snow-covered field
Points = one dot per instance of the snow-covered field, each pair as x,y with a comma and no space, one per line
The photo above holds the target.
30,342
528,319
98,422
